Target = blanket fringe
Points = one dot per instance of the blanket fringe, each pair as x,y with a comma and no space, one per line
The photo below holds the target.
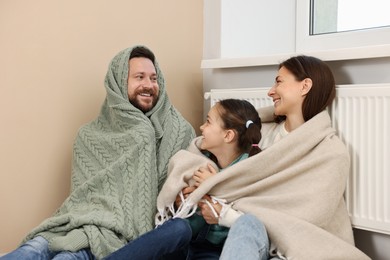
186,210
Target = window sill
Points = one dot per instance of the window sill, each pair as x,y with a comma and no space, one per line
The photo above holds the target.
376,51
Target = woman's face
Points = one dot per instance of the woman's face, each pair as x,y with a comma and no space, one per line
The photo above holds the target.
212,131
287,94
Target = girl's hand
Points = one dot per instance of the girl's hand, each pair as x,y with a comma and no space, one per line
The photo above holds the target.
186,192
206,211
202,174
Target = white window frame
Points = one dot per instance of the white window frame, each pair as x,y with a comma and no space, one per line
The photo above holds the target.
369,43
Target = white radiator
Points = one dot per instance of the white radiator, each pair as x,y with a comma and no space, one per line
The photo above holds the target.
361,116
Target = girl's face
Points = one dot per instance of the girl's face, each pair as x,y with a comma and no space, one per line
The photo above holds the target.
287,94
212,131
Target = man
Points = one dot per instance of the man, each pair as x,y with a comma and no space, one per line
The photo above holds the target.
119,165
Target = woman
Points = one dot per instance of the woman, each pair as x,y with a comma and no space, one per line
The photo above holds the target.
302,173
229,135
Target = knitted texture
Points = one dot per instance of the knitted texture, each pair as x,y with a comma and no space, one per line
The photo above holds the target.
119,165
295,187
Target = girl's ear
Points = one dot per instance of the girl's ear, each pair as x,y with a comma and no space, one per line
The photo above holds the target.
306,86
230,135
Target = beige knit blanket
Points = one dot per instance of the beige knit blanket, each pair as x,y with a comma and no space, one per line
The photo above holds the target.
295,187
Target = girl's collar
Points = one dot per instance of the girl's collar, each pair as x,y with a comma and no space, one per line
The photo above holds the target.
239,158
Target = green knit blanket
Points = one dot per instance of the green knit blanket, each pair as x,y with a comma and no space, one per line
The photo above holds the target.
119,165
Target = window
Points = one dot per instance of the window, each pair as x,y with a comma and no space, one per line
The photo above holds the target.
327,36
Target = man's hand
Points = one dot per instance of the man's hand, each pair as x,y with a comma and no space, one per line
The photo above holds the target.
202,174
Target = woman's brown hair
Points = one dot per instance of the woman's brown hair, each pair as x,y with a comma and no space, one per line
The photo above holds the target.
323,90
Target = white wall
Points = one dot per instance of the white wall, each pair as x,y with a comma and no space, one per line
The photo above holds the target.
346,72
245,26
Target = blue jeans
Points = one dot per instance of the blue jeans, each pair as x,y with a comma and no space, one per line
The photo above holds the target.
164,242
171,241
38,249
247,239
201,249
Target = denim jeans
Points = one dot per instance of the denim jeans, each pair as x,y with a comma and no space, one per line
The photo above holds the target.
38,249
247,239
201,249
164,242
171,241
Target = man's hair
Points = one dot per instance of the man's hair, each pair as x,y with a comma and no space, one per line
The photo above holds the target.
142,52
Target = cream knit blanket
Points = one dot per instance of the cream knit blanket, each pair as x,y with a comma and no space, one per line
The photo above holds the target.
295,187
120,162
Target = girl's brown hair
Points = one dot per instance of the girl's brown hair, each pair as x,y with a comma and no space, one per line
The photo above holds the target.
235,114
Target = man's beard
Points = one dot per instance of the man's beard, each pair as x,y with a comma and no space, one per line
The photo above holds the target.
141,105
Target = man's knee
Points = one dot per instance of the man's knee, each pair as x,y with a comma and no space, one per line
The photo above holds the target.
38,243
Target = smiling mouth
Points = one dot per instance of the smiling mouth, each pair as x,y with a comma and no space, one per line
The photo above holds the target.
146,96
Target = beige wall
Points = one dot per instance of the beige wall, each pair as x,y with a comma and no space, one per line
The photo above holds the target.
53,59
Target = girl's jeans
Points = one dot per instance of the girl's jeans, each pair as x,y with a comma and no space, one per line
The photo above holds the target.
163,242
38,249
171,241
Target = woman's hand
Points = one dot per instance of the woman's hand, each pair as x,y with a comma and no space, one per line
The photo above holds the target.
186,192
207,212
203,173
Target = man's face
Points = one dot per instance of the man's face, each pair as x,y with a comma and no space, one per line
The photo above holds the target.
142,86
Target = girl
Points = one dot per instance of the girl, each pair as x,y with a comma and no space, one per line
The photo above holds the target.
230,134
